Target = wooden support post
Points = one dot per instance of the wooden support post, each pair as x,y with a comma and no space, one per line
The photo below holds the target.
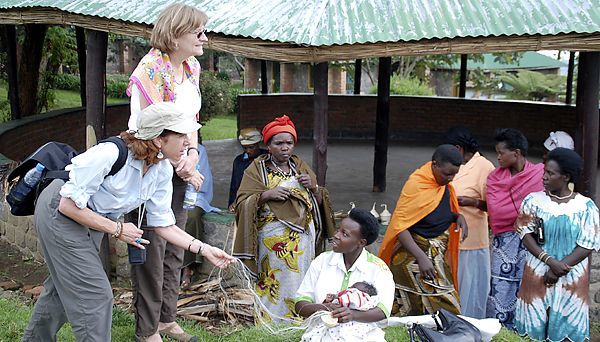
588,79
357,76
382,122
320,103
81,57
97,44
95,112
263,77
10,37
462,90
569,95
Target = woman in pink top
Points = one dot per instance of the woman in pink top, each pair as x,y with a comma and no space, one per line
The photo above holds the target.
474,252
507,186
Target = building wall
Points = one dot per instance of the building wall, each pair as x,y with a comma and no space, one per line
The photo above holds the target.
411,118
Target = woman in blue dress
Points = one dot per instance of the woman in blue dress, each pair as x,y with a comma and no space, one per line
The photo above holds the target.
553,302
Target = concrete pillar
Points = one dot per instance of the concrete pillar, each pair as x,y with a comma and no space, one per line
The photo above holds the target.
251,73
337,80
287,77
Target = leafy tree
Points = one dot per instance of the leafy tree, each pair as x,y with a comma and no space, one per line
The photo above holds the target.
533,85
60,51
407,86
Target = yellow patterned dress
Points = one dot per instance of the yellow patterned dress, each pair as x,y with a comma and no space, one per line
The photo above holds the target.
284,252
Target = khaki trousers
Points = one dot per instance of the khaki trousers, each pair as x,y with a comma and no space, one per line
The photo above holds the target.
156,283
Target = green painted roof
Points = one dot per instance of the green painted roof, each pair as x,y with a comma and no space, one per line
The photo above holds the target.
529,60
329,22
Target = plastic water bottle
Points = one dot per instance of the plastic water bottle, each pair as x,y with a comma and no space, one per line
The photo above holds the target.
189,201
29,181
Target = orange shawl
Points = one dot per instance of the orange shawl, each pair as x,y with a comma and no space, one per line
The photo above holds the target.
420,196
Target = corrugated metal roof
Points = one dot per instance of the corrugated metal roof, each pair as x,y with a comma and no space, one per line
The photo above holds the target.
529,60
335,22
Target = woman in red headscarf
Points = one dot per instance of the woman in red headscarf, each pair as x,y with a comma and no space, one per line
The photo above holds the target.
283,218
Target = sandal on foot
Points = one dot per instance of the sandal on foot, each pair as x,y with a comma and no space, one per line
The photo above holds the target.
169,331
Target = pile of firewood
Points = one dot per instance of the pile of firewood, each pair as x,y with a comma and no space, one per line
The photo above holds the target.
209,301
206,301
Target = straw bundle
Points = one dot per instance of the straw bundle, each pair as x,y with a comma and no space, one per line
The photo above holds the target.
205,301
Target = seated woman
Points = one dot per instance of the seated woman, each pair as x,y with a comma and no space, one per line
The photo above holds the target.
282,217
553,300
348,263
422,255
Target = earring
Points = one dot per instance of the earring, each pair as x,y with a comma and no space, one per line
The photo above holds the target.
571,186
160,155
176,46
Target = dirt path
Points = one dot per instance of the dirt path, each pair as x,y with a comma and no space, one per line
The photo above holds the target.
15,266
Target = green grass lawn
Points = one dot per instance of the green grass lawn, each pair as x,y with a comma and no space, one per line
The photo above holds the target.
14,315
69,99
220,127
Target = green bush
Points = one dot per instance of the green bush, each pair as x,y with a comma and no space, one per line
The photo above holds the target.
116,85
67,82
4,111
217,96
407,86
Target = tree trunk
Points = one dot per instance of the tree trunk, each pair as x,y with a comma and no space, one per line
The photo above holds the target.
10,38
29,68
81,56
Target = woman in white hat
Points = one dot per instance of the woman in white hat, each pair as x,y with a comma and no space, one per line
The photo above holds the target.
72,217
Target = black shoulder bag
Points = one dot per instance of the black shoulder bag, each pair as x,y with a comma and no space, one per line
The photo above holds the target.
450,328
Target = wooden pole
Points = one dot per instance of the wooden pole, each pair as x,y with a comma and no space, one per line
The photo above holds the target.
263,77
462,90
97,44
81,57
357,76
382,122
11,70
569,95
588,79
95,111
320,103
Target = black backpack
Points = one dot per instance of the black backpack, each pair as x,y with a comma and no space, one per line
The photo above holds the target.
55,156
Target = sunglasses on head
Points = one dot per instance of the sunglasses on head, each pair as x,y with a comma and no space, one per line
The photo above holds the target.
199,34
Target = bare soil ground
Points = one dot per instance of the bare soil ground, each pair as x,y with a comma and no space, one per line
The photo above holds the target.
23,270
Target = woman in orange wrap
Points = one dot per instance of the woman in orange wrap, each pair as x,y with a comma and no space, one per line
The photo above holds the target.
421,242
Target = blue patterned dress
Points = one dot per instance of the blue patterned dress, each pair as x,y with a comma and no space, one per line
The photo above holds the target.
561,311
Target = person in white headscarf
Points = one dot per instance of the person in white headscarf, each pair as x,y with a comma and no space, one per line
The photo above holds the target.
558,139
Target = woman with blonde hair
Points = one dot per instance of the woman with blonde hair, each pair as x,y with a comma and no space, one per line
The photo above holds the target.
168,73
71,219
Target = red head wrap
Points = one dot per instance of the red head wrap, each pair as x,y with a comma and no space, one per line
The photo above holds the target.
279,125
